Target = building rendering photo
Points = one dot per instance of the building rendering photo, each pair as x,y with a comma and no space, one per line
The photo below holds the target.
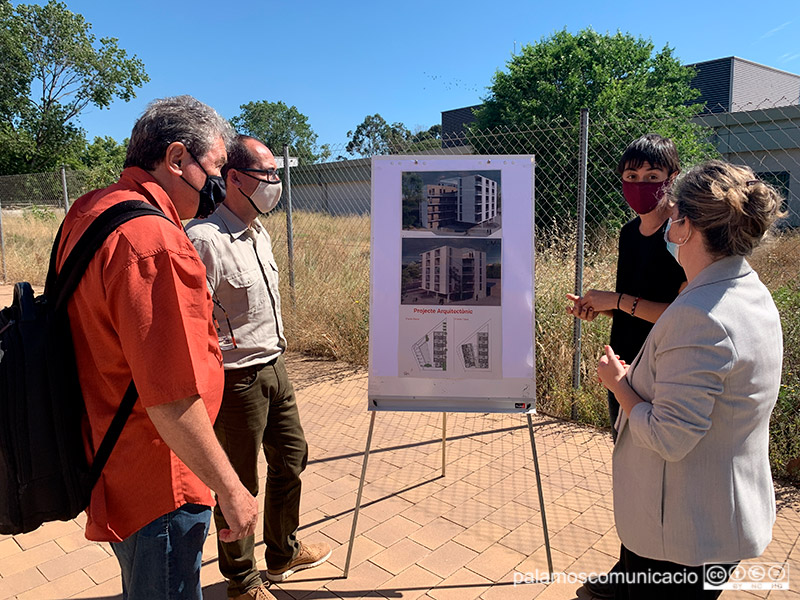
451,271
452,202
454,273
471,199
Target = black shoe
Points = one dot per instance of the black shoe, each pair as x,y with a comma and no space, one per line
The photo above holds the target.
599,588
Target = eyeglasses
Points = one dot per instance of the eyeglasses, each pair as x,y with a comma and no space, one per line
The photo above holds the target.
272,174
226,342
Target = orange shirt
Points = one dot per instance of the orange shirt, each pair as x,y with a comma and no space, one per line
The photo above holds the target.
141,310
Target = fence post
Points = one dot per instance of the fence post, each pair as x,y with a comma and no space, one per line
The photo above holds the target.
64,188
579,250
289,229
3,244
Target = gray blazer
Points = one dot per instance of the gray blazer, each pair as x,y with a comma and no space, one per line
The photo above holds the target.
692,481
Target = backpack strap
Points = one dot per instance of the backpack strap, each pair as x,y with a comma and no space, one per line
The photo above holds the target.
112,434
63,284
66,281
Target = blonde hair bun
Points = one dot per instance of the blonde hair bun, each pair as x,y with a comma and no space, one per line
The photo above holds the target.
730,206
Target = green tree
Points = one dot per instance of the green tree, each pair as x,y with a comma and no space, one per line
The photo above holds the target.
15,71
611,75
411,276
52,69
375,136
413,190
103,159
428,138
534,105
277,124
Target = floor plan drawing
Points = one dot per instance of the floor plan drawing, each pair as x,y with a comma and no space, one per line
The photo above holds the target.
474,349
431,350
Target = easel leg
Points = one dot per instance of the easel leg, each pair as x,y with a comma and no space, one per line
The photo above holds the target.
541,498
358,497
444,441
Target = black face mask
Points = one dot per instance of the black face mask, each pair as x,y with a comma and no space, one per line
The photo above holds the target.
212,193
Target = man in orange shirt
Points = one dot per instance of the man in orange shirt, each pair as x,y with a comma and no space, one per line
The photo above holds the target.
142,311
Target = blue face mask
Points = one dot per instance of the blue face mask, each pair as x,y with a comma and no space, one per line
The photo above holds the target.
672,247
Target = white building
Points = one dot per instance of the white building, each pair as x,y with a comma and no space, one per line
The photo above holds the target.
471,199
477,199
454,273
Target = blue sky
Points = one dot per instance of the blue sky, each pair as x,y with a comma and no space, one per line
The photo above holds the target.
340,61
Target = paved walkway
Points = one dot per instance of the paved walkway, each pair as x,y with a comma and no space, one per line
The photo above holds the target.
463,535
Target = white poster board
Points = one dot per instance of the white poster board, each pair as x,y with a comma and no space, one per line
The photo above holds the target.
452,284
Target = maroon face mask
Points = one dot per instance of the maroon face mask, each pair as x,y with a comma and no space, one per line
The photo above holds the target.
643,196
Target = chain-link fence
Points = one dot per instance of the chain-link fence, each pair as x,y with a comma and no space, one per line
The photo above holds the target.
327,309
31,206
53,190
331,202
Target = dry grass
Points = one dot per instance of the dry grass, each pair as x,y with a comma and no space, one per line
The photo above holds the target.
28,237
555,277
330,312
777,260
778,265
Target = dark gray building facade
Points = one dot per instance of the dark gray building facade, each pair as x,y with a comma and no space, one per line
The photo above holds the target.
733,84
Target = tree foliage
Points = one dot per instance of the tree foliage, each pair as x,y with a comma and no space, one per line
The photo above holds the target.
103,159
375,136
611,75
413,190
533,107
411,276
277,124
52,68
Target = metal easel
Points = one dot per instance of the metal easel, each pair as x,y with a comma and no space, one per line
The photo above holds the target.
444,463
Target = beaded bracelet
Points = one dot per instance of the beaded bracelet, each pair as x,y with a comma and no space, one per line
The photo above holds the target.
635,302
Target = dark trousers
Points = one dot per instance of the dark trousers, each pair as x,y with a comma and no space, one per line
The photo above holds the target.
645,587
259,411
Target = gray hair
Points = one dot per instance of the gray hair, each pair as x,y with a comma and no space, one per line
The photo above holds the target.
177,119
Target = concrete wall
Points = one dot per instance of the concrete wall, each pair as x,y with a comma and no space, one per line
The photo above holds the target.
339,188
765,140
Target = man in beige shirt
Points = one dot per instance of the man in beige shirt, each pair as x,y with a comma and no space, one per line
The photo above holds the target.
258,405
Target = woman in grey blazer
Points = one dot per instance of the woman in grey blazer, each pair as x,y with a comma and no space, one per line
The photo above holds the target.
692,481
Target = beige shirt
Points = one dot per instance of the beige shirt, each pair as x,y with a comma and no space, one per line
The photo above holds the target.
243,279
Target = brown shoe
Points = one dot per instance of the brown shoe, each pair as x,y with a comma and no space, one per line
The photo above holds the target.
308,556
257,593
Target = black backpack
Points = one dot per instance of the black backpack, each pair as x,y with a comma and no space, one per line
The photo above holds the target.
44,474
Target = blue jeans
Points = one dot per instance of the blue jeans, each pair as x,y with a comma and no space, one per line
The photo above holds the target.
162,560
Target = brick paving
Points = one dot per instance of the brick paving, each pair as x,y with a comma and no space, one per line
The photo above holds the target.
421,535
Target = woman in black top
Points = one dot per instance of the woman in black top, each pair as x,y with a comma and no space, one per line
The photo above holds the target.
648,278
